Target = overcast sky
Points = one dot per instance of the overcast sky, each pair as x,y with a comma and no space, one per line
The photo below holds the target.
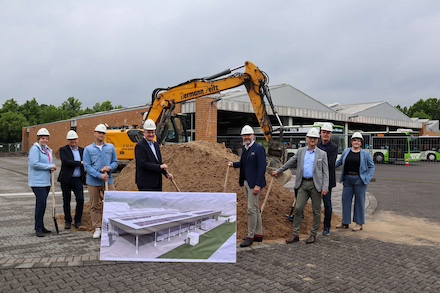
334,51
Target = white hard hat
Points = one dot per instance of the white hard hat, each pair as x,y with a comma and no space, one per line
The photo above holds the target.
313,132
357,135
247,130
101,128
43,132
149,125
327,127
71,134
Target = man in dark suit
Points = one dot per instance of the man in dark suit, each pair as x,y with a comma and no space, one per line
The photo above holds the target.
332,152
72,178
311,181
252,166
149,166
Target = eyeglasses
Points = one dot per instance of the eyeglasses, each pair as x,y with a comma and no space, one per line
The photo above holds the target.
312,138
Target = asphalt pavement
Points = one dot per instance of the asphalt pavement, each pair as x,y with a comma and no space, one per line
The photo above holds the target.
341,262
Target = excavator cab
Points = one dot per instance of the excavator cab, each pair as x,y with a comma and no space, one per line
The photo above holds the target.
174,131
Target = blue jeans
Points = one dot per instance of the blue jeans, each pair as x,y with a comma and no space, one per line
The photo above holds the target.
353,185
76,186
41,194
327,200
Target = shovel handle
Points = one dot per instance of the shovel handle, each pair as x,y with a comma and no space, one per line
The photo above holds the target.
53,193
226,178
174,182
267,195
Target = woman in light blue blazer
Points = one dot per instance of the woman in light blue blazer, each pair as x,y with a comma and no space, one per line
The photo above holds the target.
40,166
357,171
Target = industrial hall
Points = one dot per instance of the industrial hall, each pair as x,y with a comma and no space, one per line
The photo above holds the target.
218,117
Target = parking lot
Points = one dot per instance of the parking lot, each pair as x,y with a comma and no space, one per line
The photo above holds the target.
398,250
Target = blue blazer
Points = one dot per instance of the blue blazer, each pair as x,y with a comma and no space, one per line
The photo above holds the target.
366,169
253,165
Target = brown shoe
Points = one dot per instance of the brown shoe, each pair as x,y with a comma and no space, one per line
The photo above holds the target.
292,239
311,239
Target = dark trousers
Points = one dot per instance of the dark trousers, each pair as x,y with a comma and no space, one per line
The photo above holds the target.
143,188
75,185
41,194
327,200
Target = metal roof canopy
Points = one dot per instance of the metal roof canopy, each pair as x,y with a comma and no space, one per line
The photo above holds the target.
290,102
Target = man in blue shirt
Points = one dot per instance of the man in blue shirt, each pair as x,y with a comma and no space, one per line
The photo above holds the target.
311,181
99,162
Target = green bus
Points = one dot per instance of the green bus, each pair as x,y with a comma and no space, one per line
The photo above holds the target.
393,146
430,148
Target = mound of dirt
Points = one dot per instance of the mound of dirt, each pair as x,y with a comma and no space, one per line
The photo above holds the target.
201,167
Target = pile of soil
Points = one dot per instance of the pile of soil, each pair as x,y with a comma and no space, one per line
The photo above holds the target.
201,167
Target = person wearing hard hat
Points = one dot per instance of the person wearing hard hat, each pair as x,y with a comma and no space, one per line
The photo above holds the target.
40,166
311,181
100,161
149,165
72,178
357,171
252,166
332,152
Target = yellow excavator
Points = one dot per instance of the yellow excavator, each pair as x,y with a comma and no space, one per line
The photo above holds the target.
256,84
255,81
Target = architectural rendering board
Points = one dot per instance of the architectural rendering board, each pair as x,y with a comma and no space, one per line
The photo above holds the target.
169,226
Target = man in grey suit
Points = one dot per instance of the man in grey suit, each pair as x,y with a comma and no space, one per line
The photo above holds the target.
311,181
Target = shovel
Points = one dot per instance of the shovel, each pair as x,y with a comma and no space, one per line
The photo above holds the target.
174,182
267,195
226,179
290,216
53,204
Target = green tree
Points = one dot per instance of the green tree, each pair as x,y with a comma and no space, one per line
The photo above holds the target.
51,113
10,106
104,106
71,108
11,124
422,115
430,107
32,111
404,110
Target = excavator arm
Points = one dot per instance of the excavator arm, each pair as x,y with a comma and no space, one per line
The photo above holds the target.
255,81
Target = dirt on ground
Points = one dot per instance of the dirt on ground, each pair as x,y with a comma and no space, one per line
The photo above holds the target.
201,167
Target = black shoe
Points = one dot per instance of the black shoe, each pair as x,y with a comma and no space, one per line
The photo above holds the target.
311,239
39,234
78,224
258,238
246,242
68,225
46,231
292,239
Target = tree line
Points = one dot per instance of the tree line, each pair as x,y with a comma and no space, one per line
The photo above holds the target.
13,117
424,109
